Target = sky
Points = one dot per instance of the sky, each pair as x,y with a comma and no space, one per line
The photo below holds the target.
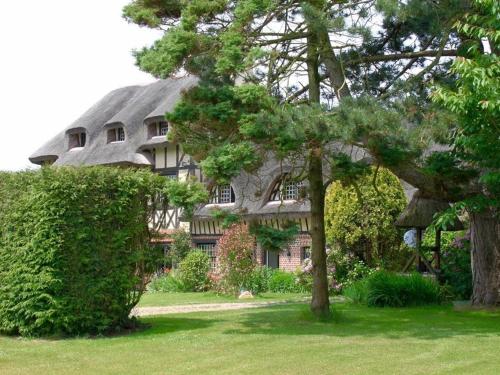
58,58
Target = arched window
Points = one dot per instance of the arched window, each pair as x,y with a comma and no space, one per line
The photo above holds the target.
116,135
286,189
222,194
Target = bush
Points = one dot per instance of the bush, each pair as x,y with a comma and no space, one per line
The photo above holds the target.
344,270
456,270
359,221
264,279
74,248
389,289
193,271
357,291
170,283
284,282
304,279
235,251
258,281
181,245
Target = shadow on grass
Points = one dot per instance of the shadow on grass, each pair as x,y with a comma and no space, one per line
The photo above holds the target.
160,325
431,322
149,326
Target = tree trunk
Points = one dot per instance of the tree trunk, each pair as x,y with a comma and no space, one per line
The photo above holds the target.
485,248
320,304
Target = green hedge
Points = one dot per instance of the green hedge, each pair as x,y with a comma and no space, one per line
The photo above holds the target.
73,248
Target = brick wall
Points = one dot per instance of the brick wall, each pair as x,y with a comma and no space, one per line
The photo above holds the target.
290,258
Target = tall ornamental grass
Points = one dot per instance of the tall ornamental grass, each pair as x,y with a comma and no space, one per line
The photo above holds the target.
384,288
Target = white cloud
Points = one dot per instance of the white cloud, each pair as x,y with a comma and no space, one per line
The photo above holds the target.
57,59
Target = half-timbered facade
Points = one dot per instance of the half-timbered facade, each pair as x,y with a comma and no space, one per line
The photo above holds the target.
127,127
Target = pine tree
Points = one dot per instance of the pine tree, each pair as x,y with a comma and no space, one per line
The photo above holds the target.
318,82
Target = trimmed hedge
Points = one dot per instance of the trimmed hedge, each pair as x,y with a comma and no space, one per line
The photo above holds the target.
73,248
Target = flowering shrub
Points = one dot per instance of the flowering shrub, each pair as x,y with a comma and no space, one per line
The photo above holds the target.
236,260
344,270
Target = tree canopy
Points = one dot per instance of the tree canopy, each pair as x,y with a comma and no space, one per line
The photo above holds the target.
327,86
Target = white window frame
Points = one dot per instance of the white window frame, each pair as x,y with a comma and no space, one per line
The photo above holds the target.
120,135
222,194
209,248
162,128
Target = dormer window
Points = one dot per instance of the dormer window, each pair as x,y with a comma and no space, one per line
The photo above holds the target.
162,128
77,140
222,194
157,129
116,135
286,190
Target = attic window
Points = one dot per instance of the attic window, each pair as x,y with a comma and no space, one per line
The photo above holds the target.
77,140
222,194
286,190
162,128
157,129
116,135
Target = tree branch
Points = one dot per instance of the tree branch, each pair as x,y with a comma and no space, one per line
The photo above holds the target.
402,56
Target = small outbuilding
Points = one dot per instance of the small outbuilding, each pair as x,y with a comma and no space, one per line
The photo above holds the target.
420,214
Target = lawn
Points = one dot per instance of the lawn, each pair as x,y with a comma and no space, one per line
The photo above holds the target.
171,299
277,340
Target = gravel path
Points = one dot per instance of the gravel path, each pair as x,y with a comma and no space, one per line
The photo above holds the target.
148,311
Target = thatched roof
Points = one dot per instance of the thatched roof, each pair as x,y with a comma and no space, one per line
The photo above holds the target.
420,213
135,107
129,107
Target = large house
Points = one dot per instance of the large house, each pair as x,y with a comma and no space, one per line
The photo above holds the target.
127,127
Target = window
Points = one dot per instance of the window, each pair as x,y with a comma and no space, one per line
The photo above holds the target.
162,128
157,129
305,253
171,176
285,190
222,194
116,135
120,134
209,249
77,140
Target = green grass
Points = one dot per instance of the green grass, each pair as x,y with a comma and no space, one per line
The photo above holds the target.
277,340
171,299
